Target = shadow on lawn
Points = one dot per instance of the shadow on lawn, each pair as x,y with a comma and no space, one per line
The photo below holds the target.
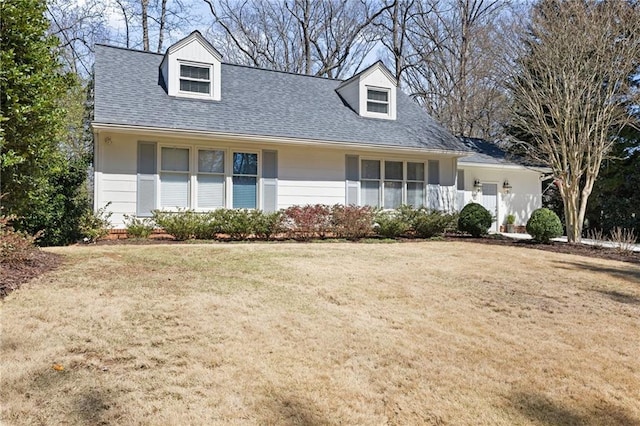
626,272
290,409
542,410
620,297
90,407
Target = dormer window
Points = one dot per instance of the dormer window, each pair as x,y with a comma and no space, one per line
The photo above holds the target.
195,79
378,101
371,93
192,68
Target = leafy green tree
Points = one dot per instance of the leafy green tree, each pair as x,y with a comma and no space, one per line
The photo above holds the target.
42,182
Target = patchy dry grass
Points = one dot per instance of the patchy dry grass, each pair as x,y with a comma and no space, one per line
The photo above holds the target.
416,333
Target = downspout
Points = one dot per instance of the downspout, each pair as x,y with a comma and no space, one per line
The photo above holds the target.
96,168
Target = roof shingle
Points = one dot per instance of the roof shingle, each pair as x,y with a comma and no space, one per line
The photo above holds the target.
254,102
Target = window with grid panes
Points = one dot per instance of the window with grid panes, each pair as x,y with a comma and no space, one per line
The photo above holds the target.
195,79
378,101
245,180
211,188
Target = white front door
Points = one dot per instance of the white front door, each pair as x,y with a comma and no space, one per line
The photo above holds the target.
490,202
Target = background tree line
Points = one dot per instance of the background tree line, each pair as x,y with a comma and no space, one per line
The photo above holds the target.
480,67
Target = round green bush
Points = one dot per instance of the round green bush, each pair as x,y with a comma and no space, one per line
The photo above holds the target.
543,225
474,219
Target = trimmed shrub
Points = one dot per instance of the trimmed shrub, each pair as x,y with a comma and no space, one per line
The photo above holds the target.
352,222
409,214
429,223
207,226
452,225
543,225
182,225
390,224
474,219
236,223
266,225
306,222
138,227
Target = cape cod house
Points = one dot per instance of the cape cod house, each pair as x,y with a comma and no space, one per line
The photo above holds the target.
185,130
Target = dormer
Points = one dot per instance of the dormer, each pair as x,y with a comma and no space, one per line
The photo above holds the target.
372,92
191,68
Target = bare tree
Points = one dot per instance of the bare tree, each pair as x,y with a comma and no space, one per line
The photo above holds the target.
162,24
394,26
572,91
148,20
453,55
262,34
346,35
328,37
144,18
78,27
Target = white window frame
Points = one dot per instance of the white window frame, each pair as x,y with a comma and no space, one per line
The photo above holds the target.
196,172
404,181
387,103
193,175
209,80
379,180
407,181
242,150
188,173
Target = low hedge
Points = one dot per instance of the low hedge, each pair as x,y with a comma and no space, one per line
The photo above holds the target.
299,222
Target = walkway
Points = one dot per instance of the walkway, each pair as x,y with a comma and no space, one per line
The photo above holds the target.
635,247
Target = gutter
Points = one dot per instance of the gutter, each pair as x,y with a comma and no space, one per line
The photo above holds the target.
163,131
511,166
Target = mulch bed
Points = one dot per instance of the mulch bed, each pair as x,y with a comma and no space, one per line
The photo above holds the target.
14,275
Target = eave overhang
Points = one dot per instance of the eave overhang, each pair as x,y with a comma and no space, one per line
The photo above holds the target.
267,139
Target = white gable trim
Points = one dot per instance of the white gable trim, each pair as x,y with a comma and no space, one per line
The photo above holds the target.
191,37
379,66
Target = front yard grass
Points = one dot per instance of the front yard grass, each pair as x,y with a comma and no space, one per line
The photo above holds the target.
415,333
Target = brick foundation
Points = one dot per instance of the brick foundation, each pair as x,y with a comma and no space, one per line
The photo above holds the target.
121,234
520,229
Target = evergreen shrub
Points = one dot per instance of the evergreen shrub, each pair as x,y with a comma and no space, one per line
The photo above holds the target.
543,225
474,219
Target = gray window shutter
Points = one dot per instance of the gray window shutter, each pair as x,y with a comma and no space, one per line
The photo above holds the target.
352,178
460,182
147,175
269,181
434,172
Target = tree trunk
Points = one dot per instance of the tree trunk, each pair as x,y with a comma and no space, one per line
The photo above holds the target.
307,37
461,84
163,18
126,21
145,24
397,51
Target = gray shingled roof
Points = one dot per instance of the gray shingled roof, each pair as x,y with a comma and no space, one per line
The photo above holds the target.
254,102
485,152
